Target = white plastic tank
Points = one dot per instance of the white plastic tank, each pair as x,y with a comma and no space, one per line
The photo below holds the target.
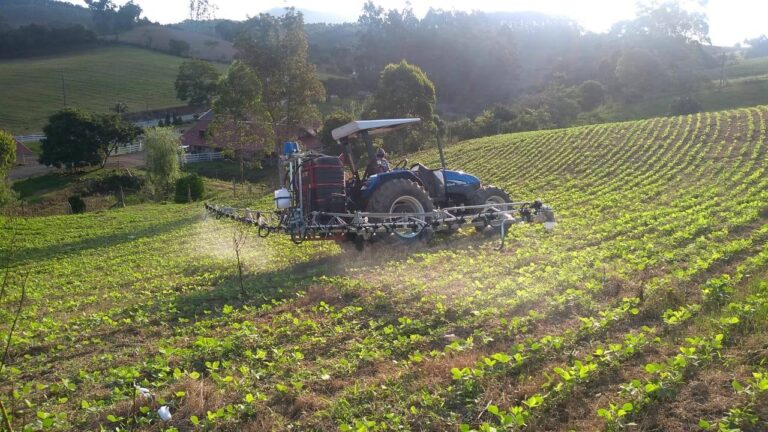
282,198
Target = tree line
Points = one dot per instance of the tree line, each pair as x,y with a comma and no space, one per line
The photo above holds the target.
504,72
35,39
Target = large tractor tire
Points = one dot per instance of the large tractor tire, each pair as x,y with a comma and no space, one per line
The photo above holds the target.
489,195
401,196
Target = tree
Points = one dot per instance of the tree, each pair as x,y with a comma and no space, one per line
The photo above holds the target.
7,158
109,19
591,95
163,148
76,138
178,47
334,120
276,48
127,17
103,15
639,72
111,131
70,140
670,20
7,151
685,105
405,91
196,82
758,47
201,10
241,121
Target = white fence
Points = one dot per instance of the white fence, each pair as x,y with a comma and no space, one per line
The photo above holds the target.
28,138
200,157
128,149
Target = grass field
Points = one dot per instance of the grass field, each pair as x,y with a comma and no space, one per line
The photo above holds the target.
746,84
647,305
94,79
739,91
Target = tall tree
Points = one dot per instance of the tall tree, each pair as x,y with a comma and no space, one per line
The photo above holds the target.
196,82
127,16
110,132
109,19
7,158
103,15
405,91
162,162
334,120
202,10
241,122
276,48
7,151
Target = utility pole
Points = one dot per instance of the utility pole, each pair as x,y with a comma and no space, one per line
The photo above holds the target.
722,69
63,88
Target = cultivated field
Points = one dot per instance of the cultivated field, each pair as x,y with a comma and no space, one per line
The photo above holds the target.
96,79
646,309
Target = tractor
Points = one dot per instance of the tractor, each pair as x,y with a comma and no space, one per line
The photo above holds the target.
404,189
327,197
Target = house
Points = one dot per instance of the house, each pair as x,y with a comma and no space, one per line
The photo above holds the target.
24,156
196,140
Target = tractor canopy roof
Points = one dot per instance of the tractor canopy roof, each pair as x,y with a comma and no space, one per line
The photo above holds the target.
374,127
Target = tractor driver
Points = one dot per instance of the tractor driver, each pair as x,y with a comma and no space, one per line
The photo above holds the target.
380,165
381,160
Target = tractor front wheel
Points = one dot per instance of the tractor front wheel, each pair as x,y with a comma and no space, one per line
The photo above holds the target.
402,196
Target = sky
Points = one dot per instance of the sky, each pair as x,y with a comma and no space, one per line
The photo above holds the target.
730,21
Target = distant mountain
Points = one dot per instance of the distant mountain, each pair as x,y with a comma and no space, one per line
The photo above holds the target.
311,16
17,13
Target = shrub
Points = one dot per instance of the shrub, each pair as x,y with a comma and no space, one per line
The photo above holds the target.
190,186
685,105
77,204
591,95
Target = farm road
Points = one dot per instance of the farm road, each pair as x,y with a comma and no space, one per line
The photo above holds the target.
22,172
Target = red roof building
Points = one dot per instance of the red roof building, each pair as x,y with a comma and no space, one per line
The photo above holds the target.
24,156
196,139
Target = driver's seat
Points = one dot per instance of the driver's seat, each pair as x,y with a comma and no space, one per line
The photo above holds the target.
432,181
374,167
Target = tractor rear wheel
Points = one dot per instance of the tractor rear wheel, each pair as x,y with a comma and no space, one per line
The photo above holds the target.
489,195
402,196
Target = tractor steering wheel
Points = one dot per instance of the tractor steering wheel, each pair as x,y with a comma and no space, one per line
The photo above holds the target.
402,164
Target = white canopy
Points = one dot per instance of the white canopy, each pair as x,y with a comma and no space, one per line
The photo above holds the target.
374,127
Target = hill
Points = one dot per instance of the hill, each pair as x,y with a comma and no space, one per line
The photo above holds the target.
646,305
744,84
93,79
159,38
53,13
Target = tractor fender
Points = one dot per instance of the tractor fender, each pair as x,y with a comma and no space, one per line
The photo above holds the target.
375,181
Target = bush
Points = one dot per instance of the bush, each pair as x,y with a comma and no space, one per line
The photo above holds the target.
591,95
77,204
111,184
178,47
189,186
685,105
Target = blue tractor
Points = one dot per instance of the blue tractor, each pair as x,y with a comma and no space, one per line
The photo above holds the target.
407,189
328,198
